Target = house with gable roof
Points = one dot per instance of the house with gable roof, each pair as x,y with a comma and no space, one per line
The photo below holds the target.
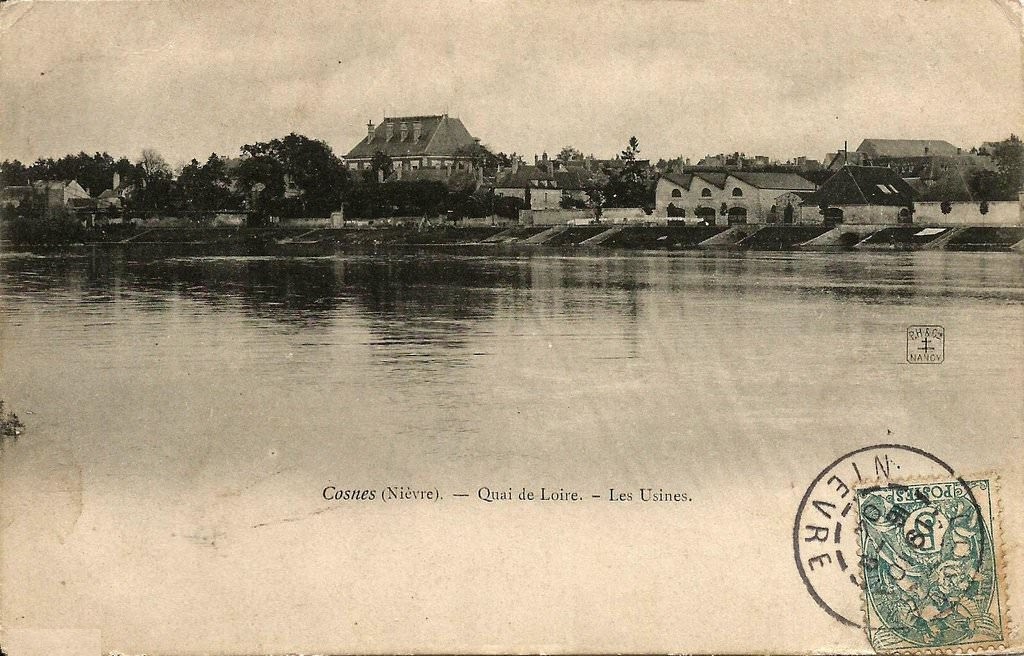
415,142
546,186
862,195
726,197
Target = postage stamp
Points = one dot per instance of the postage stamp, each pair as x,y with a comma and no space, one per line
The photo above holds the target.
931,566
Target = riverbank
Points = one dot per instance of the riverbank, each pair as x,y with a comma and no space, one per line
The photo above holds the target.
296,240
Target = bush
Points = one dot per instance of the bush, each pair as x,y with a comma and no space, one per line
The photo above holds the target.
46,230
10,425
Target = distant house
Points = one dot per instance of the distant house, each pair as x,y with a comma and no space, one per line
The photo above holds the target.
725,197
864,195
415,142
15,196
55,197
545,187
874,149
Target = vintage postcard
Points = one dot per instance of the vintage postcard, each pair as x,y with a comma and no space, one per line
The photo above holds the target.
514,326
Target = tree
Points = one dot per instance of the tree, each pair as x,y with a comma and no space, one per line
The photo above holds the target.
568,154
381,165
207,187
1009,157
153,164
1006,181
13,172
630,186
987,185
632,150
318,176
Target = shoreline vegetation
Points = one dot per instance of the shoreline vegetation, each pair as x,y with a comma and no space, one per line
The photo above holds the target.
306,239
10,424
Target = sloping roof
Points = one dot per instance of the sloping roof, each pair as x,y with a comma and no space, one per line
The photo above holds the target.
440,136
905,147
523,177
537,177
681,179
864,185
716,178
764,180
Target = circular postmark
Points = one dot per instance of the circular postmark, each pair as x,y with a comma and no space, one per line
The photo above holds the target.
825,531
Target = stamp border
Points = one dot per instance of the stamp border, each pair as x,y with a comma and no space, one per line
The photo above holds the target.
1010,640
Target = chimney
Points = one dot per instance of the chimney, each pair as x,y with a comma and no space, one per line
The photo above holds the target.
515,166
417,129
550,166
403,130
536,160
389,130
117,181
369,131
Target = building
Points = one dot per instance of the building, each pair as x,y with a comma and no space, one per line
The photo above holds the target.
459,180
863,195
725,197
545,186
415,142
57,197
875,149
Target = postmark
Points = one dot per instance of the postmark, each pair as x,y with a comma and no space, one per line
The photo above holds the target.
930,562
825,542
926,344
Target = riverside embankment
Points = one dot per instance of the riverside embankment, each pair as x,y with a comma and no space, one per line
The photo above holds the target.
298,240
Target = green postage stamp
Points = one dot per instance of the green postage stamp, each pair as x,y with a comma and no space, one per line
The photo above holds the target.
931,566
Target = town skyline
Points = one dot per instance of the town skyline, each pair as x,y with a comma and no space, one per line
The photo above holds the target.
687,79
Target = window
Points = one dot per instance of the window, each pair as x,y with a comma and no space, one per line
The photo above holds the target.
736,191
705,193
676,193
884,188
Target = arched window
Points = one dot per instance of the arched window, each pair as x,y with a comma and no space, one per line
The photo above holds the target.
705,193
676,193
736,191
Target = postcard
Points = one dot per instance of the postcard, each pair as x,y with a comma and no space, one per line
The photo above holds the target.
511,327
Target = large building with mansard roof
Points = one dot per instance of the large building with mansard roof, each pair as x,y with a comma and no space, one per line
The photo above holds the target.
415,142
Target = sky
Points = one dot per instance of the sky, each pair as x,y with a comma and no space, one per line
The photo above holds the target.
686,77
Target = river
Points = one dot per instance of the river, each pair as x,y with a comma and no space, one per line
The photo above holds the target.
185,413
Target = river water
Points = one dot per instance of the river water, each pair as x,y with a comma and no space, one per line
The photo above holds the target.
184,414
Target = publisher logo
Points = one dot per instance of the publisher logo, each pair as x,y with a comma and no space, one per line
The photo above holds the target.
926,344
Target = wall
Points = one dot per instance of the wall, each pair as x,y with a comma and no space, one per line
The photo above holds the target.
582,217
1000,213
305,222
511,192
555,217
